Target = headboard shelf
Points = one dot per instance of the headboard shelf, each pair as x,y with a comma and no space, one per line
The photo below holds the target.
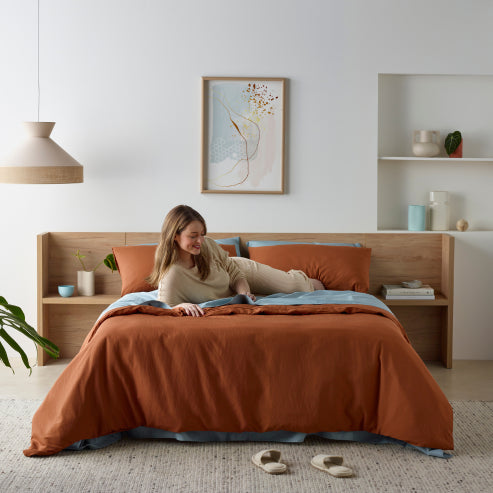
395,257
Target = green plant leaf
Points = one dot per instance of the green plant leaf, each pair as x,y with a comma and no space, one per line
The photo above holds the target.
16,311
4,357
13,344
12,316
80,257
452,141
110,262
27,331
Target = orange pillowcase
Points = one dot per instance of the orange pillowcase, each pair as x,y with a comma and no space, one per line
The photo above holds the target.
231,249
135,264
339,268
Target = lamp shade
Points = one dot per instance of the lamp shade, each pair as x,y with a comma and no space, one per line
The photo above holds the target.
38,159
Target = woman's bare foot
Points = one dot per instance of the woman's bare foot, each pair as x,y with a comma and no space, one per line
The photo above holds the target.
317,285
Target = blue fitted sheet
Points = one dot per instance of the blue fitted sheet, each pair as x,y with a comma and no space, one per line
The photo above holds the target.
143,432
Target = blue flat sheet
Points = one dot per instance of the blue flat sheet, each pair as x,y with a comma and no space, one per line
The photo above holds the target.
322,297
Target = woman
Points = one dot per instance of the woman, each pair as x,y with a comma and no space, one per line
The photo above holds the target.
190,268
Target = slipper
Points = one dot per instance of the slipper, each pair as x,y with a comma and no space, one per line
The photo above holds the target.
268,460
332,465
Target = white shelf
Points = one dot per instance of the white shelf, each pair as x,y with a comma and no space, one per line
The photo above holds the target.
429,231
448,159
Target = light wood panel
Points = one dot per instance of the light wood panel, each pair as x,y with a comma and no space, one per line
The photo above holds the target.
423,327
69,326
395,257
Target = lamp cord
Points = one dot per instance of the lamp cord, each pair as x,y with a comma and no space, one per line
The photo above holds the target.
39,89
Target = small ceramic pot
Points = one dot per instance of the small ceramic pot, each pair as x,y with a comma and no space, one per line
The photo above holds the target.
85,283
66,290
423,145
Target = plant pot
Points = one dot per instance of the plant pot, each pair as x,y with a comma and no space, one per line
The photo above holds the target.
458,151
85,283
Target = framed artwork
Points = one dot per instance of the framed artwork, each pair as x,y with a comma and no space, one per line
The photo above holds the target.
243,135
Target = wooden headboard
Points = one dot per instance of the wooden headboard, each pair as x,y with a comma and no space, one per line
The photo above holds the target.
395,257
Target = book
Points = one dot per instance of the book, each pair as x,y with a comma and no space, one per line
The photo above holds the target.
399,290
412,297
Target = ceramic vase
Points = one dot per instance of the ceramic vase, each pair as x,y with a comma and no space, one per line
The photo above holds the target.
416,218
439,211
425,143
85,283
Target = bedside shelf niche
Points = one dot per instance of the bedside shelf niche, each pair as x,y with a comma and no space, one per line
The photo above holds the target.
67,321
408,102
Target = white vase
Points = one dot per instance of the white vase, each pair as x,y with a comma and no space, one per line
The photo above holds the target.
439,211
423,145
85,283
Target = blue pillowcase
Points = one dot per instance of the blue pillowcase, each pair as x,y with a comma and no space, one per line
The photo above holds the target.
231,241
255,243
235,240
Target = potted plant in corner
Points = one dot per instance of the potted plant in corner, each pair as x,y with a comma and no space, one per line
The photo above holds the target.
85,277
12,316
453,144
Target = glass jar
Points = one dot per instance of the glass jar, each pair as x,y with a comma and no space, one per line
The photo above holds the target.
439,211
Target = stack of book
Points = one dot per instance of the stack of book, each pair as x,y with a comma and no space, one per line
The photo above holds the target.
399,292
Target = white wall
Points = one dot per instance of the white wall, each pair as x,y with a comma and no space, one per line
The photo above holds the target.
122,80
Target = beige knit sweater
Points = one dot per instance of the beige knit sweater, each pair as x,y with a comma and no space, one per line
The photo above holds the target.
182,285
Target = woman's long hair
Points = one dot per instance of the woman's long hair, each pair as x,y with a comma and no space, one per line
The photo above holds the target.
167,254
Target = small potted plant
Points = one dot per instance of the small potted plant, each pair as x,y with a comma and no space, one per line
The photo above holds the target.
12,317
453,144
85,277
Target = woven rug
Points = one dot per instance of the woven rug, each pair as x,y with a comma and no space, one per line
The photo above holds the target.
165,465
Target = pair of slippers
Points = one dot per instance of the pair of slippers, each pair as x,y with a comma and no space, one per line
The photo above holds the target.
270,461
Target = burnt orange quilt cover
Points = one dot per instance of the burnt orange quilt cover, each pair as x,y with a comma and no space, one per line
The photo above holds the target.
307,368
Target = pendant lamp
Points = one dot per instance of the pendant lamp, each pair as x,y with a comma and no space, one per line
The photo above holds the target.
38,159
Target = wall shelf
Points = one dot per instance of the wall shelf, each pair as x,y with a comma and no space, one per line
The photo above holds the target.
97,299
410,102
444,159
440,300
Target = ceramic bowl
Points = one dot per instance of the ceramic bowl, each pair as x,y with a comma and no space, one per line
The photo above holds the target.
66,290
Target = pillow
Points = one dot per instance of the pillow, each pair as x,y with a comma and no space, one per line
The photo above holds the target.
135,263
231,249
337,267
257,243
235,242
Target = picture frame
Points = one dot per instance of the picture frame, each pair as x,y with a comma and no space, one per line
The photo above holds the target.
243,135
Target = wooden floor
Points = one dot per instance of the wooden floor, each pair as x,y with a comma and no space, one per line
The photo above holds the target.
468,380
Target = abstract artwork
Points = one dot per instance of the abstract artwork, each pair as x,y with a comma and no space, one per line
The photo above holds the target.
243,135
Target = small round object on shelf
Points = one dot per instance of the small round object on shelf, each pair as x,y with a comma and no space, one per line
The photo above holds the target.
462,225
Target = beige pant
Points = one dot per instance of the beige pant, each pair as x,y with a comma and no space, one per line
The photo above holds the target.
266,280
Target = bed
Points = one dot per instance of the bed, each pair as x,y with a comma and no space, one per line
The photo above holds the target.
336,363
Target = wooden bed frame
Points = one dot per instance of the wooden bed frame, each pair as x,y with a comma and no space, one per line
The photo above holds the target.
395,257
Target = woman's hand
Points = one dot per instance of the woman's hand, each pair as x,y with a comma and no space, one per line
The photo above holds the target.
191,309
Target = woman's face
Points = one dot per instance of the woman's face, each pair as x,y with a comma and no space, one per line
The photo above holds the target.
191,238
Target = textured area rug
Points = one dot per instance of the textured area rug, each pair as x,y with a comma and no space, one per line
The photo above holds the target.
162,465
